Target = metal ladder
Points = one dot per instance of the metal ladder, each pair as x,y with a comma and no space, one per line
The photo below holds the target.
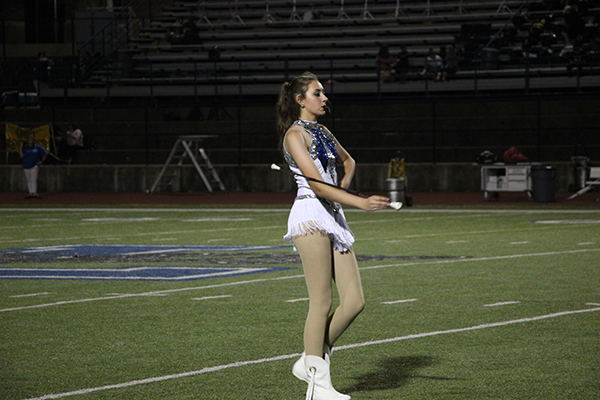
181,150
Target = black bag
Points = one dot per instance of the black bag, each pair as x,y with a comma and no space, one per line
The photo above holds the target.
487,157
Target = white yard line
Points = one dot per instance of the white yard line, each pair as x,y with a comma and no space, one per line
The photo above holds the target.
286,208
63,239
399,301
271,210
472,328
288,356
470,233
480,259
297,300
504,303
193,209
123,296
29,295
552,253
211,297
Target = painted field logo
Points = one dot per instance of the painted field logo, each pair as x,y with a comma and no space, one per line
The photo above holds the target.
129,253
80,250
138,273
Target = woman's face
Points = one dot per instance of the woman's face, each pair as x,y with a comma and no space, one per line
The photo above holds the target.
314,102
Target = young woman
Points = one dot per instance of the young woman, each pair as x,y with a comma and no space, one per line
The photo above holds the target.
318,229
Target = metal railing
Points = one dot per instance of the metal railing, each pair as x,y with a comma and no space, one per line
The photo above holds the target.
98,51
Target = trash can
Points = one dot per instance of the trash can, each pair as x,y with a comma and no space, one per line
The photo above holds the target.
580,167
542,183
396,190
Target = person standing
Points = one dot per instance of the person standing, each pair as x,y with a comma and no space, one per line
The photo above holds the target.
33,156
41,69
74,141
318,229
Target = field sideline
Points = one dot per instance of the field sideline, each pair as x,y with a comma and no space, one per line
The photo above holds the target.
484,301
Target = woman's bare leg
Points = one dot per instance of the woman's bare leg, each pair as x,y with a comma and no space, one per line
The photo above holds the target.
317,260
352,301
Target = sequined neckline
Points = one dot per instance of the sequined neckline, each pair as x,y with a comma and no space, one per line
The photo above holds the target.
323,145
309,124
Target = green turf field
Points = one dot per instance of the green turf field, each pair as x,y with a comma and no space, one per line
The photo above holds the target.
461,304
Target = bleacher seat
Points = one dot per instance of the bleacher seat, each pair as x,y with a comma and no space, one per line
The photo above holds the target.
254,48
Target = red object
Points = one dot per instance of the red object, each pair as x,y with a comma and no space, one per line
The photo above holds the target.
513,156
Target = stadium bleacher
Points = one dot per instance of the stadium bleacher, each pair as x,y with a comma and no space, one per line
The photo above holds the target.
246,50
258,42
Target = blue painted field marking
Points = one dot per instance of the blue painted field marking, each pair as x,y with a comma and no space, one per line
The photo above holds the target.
137,273
142,273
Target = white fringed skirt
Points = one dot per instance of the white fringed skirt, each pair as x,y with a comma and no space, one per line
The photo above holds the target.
310,215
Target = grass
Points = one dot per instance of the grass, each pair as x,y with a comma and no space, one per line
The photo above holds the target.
477,281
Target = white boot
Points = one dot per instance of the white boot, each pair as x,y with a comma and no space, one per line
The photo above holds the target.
319,384
299,368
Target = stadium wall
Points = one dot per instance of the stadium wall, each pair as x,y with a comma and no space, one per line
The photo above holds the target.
422,177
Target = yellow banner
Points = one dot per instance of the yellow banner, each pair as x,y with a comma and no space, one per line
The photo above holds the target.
16,134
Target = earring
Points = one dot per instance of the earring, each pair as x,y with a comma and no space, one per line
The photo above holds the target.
302,105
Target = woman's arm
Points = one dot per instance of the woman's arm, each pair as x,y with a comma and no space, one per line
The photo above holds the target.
348,163
296,143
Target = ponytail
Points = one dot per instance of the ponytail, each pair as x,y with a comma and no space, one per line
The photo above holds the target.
288,109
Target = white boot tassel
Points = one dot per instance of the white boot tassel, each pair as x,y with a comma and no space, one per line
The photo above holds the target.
319,381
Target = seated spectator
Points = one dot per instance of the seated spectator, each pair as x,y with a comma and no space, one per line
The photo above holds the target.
450,67
385,65
403,64
174,32
186,33
190,33
573,26
433,64
592,32
536,31
312,14
521,19
542,33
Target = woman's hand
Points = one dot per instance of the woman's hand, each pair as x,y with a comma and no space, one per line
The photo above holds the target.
375,203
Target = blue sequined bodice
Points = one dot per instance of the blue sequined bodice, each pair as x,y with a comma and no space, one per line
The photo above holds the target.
322,147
